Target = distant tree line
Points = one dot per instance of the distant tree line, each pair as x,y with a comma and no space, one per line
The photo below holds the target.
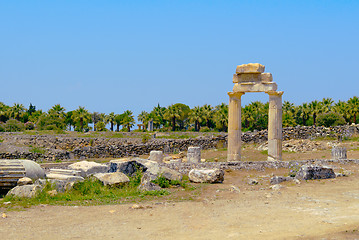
178,117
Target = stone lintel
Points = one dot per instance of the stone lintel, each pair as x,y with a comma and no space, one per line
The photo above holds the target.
255,87
252,77
250,68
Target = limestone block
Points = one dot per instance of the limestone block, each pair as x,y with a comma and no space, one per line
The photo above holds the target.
194,155
249,77
27,191
266,77
112,179
250,68
64,177
206,175
156,156
32,169
255,87
308,172
88,168
128,166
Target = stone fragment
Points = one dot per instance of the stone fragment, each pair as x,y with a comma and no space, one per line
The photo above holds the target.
339,153
65,172
250,68
278,179
276,187
252,181
60,185
52,193
24,181
194,155
64,177
32,169
26,191
234,189
147,185
89,168
308,172
206,175
156,156
112,179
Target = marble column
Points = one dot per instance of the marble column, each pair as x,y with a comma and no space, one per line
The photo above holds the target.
275,126
234,126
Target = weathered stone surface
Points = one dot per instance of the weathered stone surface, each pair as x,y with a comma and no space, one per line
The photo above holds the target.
266,77
112,179
27,191
89,168
65,172
24,181
278,179
147,185
194,154
156,170
250,68
67,178
308,172
206,175
276,187
32,169
156,156
255,87
127,166
339,153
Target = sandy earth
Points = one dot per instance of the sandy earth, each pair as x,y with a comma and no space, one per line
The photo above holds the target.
321,209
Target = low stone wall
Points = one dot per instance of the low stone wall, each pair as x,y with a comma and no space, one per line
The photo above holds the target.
62,147
184,168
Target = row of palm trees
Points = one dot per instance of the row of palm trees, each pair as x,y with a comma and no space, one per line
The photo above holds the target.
178,117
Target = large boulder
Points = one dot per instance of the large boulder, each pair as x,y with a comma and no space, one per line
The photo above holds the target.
112,179
59,185
127,166
206,175
89,168
308,172
27,191
154,169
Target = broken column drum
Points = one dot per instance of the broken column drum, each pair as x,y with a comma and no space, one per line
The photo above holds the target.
194,155
251,78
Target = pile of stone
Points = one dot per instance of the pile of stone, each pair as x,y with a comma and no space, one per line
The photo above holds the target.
301,145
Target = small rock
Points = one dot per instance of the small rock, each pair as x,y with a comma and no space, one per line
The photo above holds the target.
276,187
234,189
3,215
278,179
252,181
309,172
24,181
52,193
27,191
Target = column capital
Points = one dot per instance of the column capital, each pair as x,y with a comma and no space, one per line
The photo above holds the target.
275,93
236,94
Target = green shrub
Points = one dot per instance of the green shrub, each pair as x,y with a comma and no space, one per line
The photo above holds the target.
205,129
145,138
14,125
330,119
36,150
29,126
100,126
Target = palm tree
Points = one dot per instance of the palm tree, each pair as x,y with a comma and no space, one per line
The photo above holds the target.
207,112
4,110
118,121
111,119
172,112
96,117
315,109
327,104
157,116
353,104
343,108
303,112
81,116
196,116
128,119
247,116
57,110
16,111
143,117
288,114
221,116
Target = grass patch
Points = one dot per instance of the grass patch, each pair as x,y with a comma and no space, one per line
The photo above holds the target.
165,183
264,152
37,150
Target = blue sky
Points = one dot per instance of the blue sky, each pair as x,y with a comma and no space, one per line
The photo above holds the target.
110,56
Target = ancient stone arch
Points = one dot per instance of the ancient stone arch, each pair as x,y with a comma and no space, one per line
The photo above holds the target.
251,78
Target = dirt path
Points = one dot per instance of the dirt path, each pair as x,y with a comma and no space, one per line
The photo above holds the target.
325,209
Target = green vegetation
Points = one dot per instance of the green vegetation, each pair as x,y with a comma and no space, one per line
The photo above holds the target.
178,117
164,183
36,150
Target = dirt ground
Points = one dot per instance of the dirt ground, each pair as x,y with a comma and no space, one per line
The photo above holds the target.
320,209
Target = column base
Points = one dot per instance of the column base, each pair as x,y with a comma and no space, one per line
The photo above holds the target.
233,157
